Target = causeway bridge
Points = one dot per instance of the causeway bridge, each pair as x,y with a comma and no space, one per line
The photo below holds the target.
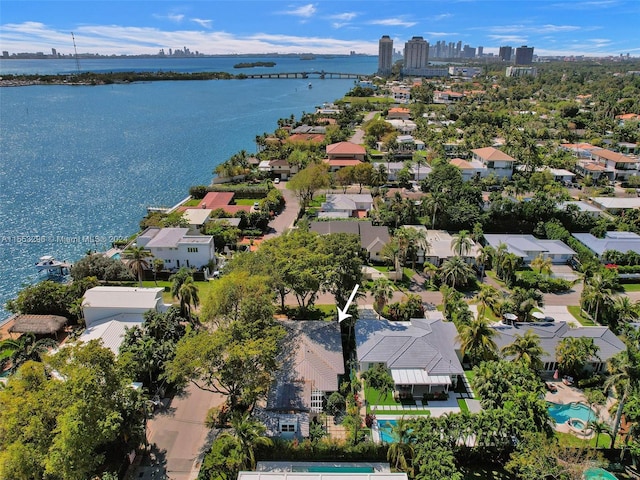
321,75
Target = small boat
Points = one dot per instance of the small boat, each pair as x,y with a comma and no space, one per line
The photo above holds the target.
310,86
52,267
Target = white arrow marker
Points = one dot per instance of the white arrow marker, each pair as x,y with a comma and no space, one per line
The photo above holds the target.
342,314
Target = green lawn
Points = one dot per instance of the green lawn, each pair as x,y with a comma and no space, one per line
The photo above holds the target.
247,201
203,289
570,440
576,311
365,100
631,287
318,201
373,398
463,405
192,203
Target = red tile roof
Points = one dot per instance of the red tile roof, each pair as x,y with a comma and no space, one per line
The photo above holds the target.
344,148
307,137
460,163
493,154
343,162
613,156
399,110
215,200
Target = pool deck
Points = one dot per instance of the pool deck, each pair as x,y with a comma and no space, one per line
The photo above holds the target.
569,394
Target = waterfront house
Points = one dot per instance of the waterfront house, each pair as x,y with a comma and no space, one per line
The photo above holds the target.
528,247
421,355
552,333
176,247
109,311
310,370
497,162
197,218
220,200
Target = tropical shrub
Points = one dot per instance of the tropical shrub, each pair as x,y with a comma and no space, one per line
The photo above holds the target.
544,283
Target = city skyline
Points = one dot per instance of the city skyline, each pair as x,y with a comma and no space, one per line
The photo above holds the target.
553,27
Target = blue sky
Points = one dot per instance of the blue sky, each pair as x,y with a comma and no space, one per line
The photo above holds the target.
553,27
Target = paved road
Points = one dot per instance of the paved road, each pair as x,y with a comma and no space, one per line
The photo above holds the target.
358,136
288,216
178,437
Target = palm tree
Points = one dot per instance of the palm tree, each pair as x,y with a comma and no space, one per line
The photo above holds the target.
429,269
390,252
476,341
625,309
158,265
26,348
462,243
188,295
382,291
526,349
485,255
623,378
177,279
420,161
542,264
400,452
455,271
250,434
598,427
137,261
488,296
598,291
435,202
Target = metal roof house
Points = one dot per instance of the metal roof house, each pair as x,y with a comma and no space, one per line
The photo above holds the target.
552,333
109,311
311,367
420,354
528,247
617,241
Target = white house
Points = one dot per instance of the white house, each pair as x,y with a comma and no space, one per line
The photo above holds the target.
528,247
470,169
177,248
441,247
197,218
496,161
622,166
109,311
346,205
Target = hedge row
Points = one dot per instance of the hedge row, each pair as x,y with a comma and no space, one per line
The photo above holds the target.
242,191
543,283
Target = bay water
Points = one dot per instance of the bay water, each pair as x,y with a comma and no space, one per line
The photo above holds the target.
79,165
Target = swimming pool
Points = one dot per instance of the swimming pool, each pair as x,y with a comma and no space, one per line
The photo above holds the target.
598,474
333,469
562,413
384,427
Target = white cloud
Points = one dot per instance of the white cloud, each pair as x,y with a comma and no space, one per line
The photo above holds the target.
124,40
345,17
393,22
508,38
202,22
172,17
442,34
304,11
442,16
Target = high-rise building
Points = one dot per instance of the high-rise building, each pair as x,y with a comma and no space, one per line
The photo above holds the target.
524,55
385,55
505,53
416,56
480,51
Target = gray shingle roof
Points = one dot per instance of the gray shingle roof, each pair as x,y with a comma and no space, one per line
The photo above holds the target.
421,343
618,241
552,333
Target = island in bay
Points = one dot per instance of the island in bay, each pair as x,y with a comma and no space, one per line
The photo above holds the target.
254,64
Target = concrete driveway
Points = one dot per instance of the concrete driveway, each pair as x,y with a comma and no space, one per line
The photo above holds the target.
178,437
560,314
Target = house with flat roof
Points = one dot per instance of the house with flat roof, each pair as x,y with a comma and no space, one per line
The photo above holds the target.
417,172
617,241
310,370
176,247
421,354
496,161
197,218
616,205
344,205
372,237
441,247
552,333
581,206
110,311
447,96
528,247
404,127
